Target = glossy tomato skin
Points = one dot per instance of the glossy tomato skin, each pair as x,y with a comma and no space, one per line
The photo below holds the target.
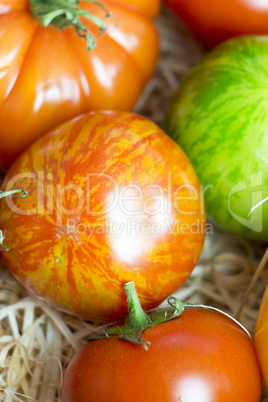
201,356
213,22
149,8
261,336
50,76
217,117
111,199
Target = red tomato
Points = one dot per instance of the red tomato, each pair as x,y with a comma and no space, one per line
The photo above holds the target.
111,198
214,21
201,356
48,76
261,336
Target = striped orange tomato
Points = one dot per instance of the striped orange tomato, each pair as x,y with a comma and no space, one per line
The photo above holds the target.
111,199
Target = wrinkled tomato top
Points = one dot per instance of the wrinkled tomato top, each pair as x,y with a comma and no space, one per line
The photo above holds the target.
48,76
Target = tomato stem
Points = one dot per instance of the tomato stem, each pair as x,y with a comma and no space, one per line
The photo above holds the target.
138,321
64,13
11,193
137,316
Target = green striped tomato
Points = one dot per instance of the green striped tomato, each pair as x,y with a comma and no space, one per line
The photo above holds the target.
219,116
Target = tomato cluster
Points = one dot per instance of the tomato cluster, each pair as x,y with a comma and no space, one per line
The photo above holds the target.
112,200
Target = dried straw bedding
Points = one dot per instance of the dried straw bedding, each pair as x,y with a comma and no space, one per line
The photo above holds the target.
37,342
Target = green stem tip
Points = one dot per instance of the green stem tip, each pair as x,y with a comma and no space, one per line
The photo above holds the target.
137,316
11,193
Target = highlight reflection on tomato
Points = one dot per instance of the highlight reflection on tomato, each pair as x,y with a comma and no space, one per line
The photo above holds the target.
49,76
111,198
214,21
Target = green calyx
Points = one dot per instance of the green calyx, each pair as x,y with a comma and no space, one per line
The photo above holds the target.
138,321
11,193
64,13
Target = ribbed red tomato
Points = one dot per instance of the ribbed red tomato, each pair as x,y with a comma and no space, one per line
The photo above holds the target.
48,76
111,199
214,21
